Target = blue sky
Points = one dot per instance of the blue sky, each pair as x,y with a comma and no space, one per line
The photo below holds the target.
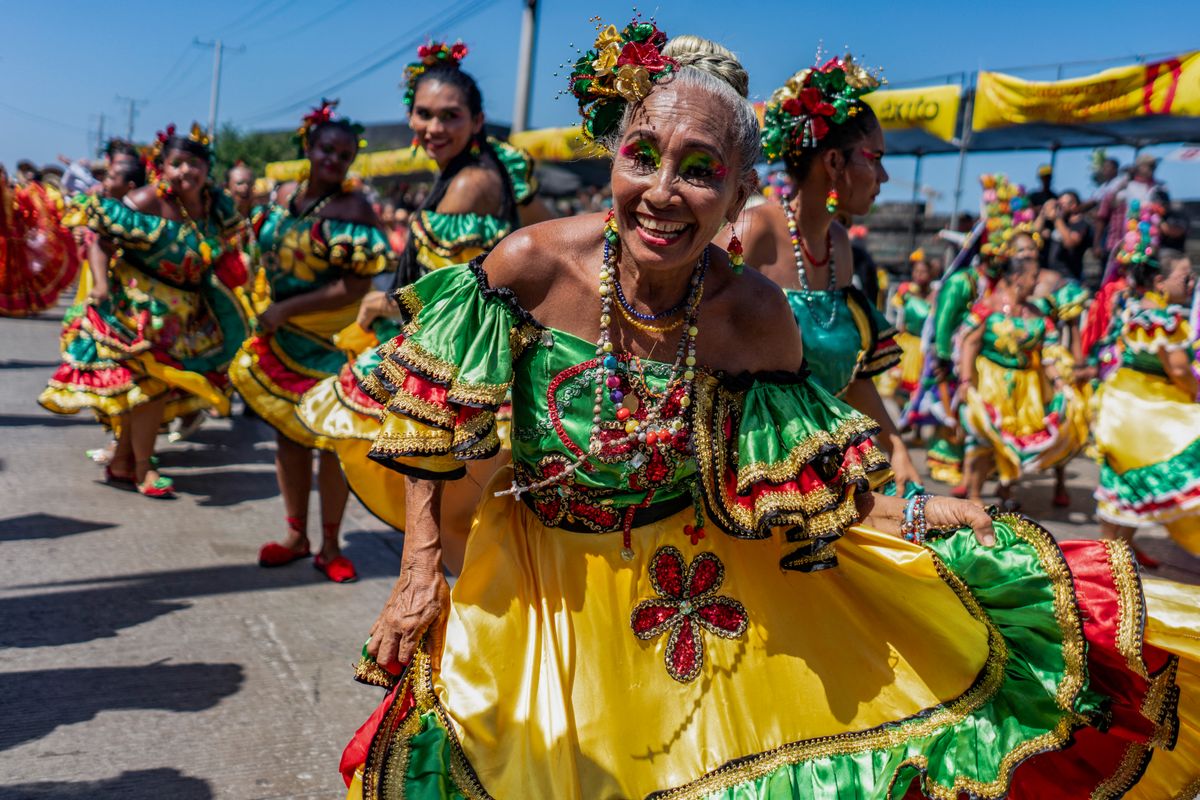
64,63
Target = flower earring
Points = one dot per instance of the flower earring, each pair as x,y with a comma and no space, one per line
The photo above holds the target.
736,262
831,201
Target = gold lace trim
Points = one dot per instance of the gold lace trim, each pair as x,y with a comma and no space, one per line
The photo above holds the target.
1131,613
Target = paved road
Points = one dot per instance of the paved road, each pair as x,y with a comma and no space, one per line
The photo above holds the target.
142,652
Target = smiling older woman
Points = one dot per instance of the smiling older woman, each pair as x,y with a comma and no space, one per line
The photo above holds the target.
670,599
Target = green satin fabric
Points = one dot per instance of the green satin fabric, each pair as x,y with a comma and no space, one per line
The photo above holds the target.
519,166
157,246
832,352
915,310
1012,585
337,248
1163,480
169,251
458,231
954,300
1013,341
427,773
533,434
460,325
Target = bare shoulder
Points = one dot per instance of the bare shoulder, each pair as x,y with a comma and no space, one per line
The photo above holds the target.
474,190
284,192
755,318
532,257
145,199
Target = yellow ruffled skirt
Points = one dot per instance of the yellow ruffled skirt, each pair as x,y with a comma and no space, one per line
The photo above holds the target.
1148,439
1012,414
571,673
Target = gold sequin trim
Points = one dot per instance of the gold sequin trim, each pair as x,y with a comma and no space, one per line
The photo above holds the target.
1132,765
1190,792
1131,611
804,452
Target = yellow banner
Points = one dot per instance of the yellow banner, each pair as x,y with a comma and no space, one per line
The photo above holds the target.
933,109
1162,87
404,161
556,144
547,144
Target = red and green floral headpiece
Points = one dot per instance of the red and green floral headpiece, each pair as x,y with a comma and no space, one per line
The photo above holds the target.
429,55
802,111
620,68
319,116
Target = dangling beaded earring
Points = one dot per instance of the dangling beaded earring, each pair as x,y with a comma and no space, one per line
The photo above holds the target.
474,148
736,262
610,227
831,201
416,144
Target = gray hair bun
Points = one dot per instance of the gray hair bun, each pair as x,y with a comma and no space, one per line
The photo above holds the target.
708,56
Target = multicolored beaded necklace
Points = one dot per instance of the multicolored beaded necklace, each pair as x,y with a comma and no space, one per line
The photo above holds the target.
799,249
654,430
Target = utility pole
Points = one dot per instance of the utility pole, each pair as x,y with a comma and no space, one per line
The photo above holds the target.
100,135
132,104
529,21
219,47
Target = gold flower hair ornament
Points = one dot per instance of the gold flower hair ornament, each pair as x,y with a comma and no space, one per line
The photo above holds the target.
326,112
428,55
621,68
801,112
1007,214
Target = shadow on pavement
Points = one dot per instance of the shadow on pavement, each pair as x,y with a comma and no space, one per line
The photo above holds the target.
46,526
38,702
162,782
19,364
227,487
108,605
45,419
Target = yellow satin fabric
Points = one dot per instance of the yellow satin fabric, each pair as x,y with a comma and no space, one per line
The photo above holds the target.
567,688
1019,395
326,324
1173,624
912,359
1143,419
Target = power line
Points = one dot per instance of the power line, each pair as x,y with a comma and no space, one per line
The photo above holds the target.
244,18
169,75
31,115
324,15
467,10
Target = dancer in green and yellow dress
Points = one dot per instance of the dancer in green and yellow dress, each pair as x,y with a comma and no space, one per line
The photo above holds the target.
798,243
1018,412
911,302
164,318
477,200
689,526
320,245
1147,423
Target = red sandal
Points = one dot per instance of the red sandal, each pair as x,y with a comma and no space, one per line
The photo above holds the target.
338,569
160,489
274,554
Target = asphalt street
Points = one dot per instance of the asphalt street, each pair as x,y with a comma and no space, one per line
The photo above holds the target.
144,654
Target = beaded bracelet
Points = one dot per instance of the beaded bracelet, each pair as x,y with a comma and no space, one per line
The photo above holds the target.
915,528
